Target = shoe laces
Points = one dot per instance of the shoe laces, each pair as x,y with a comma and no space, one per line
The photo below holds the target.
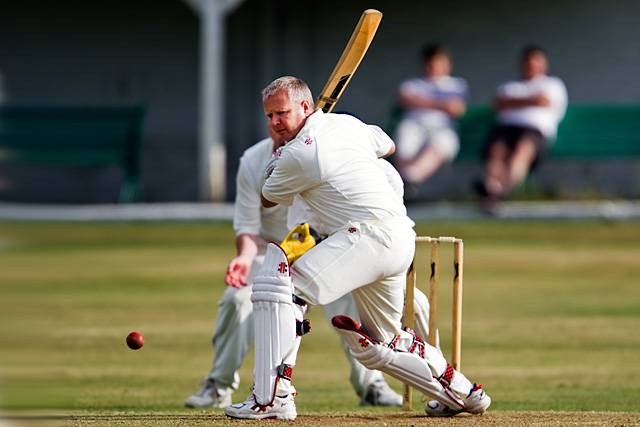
475,388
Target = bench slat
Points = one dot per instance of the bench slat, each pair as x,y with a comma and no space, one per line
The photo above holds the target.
588,131
75,136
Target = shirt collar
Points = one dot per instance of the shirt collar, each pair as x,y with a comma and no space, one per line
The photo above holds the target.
312,120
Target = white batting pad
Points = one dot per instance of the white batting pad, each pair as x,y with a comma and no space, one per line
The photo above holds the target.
275,323
404,358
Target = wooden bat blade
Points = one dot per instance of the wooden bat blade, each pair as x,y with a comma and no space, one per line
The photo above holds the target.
349,60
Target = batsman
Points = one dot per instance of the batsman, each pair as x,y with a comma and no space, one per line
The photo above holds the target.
331,162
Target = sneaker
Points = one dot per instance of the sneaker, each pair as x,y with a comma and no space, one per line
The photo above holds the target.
480,188
476,402
282,408
210,396
379,393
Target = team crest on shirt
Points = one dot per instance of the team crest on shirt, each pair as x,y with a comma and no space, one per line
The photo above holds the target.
282,268
308,141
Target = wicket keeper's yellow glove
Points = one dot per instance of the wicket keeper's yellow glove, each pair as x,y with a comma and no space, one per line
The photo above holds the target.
300,239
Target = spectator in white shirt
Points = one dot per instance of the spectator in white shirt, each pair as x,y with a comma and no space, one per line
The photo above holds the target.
426,136
528,113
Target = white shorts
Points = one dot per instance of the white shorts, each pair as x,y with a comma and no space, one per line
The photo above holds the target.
413,135
368,259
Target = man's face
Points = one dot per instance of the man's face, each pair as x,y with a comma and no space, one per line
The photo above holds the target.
285,118
438,66
535,64
278,141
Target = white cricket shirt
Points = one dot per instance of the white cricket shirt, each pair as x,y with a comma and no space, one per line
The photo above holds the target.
544,119
249,216
333,164
440,88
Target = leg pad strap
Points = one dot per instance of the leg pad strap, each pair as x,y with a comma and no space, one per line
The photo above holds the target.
396,360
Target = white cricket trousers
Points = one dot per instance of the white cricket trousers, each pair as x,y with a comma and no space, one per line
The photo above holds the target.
234,330
413,135
367,259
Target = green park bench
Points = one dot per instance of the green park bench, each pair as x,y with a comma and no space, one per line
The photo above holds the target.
75,136
599,132
588,132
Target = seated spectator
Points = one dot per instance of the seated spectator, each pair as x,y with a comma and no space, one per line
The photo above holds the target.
426,137
528,112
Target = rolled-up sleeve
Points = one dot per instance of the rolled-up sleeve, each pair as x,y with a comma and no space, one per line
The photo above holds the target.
382,143
409,88
559,98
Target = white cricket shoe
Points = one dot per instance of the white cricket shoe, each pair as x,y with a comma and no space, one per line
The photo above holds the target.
476,402
283,408
378,393
210,396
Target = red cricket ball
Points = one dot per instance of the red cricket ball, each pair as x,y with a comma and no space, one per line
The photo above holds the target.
135,340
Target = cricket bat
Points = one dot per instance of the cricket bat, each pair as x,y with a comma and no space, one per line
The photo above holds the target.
351,57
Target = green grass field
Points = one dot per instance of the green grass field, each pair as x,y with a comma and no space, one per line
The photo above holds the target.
551,325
